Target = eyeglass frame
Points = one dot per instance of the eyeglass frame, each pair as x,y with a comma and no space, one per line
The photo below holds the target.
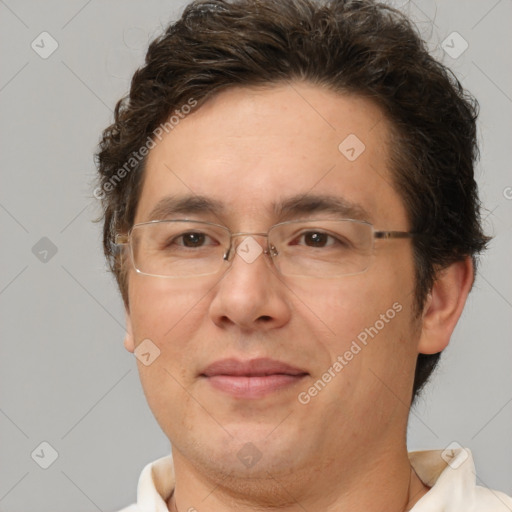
121,239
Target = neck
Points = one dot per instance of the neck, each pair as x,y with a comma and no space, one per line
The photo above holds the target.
386,484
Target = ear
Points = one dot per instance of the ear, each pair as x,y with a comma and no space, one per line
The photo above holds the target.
129,342
444,306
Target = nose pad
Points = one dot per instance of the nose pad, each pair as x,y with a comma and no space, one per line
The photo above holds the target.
272,250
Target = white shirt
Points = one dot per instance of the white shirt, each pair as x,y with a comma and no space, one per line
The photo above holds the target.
452,482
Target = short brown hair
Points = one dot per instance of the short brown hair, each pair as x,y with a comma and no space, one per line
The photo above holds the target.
352,46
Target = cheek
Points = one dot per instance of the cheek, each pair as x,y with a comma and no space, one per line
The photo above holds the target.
171,315
346,306
365,318
168,314
161,309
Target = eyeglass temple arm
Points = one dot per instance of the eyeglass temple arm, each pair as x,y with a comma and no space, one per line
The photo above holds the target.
120,239
394,234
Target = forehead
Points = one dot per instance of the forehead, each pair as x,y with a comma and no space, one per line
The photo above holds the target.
250,150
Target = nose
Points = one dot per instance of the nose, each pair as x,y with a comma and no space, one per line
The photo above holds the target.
251,295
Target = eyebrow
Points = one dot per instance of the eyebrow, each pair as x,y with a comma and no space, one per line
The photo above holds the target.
289,208
185,205
319,203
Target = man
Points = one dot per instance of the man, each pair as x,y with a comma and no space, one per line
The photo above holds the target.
291,215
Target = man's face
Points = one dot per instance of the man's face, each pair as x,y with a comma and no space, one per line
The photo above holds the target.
250,149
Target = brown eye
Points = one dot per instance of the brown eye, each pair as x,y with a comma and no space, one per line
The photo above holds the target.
193,239
315,239
321,240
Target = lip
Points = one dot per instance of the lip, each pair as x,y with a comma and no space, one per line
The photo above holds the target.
252,379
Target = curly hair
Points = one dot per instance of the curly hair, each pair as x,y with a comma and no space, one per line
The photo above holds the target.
349,46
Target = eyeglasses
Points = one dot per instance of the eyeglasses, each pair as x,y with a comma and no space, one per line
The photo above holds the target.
307,248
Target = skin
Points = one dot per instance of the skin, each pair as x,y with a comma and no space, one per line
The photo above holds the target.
345,449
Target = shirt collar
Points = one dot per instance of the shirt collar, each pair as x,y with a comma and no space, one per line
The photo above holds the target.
450,474
156,484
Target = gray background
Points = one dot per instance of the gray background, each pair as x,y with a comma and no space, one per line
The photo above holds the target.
65,377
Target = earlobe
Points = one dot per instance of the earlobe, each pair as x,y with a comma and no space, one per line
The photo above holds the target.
129,343
444,306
